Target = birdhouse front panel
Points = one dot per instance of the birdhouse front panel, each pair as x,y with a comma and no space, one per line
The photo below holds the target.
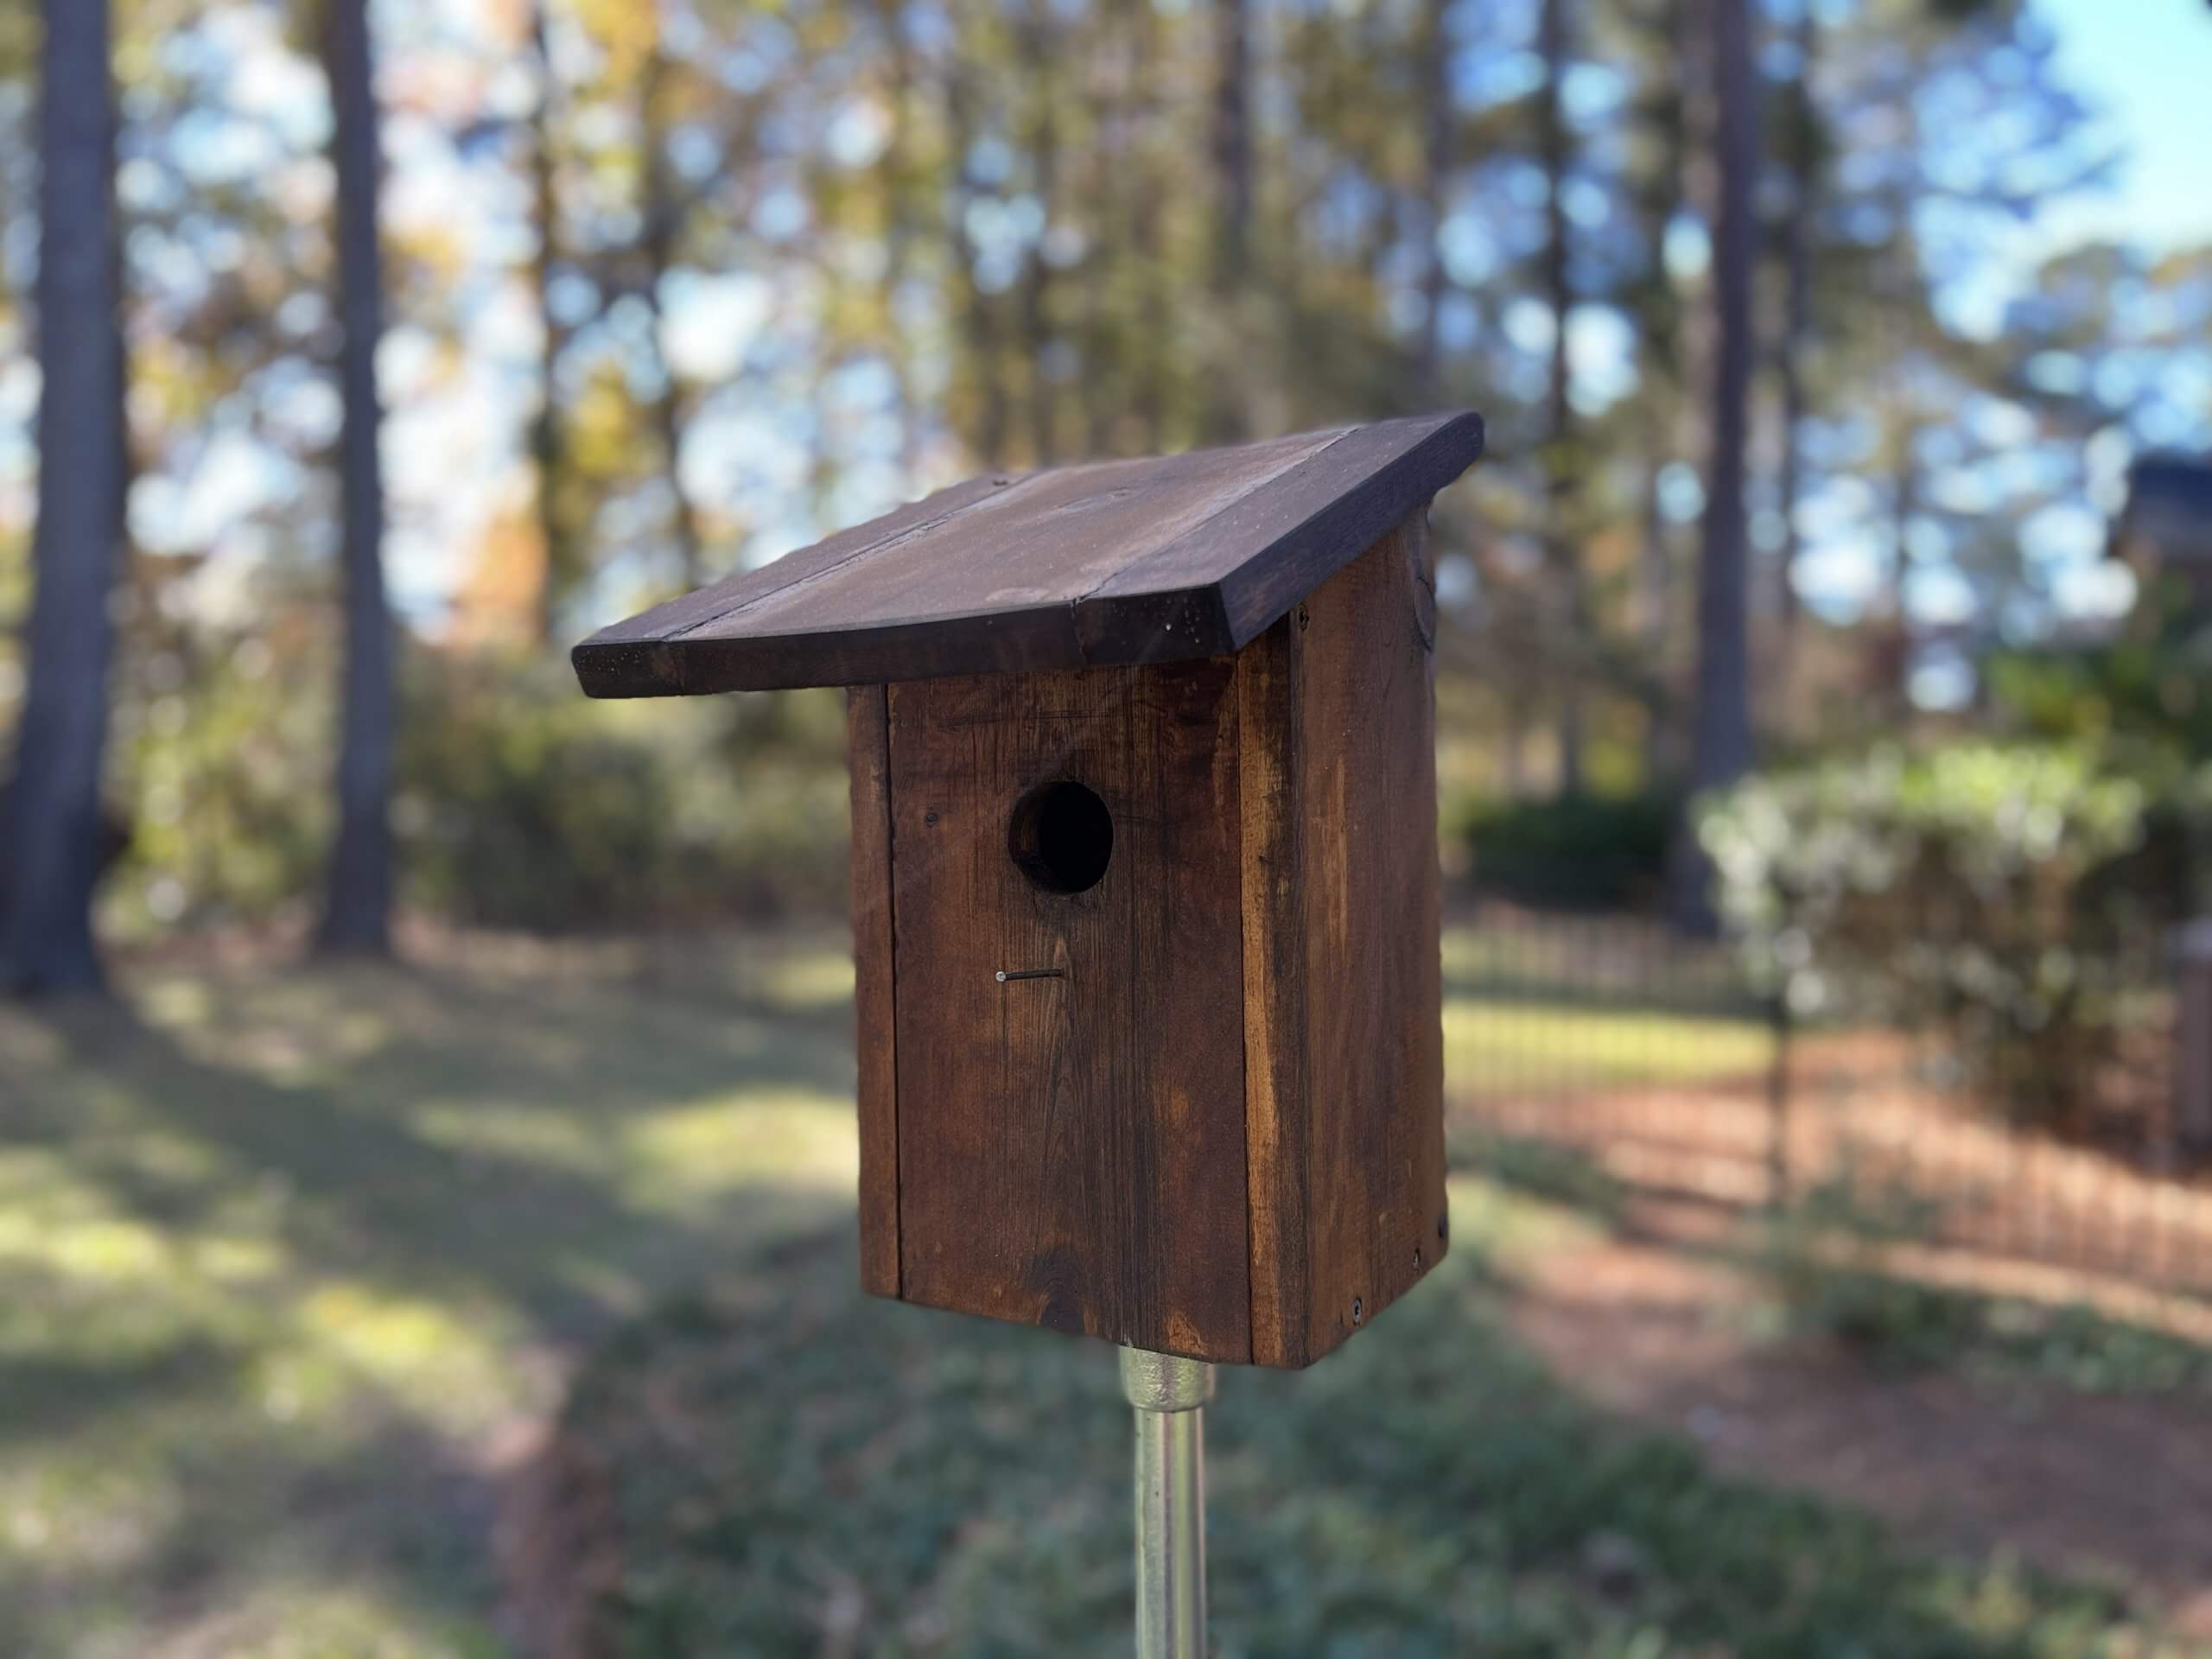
1071,1136
1145,883
1201,1112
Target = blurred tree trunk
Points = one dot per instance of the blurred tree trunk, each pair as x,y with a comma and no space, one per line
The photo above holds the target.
1561,464
662,224
1156,391
1033,42
357,917
897,167
549,441
1696,145
1435,170
1721,733
1232,142
1797,314
53,818
978,315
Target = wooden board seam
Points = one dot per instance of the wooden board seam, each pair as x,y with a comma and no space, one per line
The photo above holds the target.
1227,507
890,921
1004,486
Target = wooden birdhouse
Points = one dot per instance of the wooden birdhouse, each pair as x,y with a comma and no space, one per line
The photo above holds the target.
1144,878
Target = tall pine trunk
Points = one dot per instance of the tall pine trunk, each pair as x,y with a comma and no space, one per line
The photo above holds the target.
1561,553
1435,96
1035,44
1232,142
1721,733
53,818
1797,316
549,437
664,224
357,917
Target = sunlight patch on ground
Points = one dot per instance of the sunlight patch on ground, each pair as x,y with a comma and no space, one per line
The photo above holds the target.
279,1254
1546,1046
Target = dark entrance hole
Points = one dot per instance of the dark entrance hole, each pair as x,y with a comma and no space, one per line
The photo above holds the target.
1062,836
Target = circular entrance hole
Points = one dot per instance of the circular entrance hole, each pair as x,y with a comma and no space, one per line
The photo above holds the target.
1062,836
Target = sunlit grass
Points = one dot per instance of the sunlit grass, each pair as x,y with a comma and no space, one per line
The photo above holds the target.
794,1468
1536,1046
284,1251
281,1250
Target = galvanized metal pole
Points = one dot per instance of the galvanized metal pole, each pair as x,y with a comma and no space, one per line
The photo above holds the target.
1169,1396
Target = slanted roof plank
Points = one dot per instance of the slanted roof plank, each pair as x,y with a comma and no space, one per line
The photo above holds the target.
1113,563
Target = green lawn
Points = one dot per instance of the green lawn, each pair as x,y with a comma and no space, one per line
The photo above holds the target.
796,1469
281,1259
288,1256
1592,1003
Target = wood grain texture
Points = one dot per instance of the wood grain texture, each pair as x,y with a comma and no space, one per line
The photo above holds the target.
1275,546
1071,1150
1112,563
875,991
1341,954
1275,1087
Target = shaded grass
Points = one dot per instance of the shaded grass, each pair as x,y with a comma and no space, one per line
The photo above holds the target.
1623,963
1811,1288
282,1253
1538,1048
1899,1321
1535,1008
790,1465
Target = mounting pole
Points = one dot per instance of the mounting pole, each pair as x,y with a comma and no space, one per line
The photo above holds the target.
1169,1396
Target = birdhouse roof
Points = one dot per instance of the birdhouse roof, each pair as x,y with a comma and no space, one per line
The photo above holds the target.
1112,563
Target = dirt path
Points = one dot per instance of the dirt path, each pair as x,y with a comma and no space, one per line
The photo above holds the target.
2117,1485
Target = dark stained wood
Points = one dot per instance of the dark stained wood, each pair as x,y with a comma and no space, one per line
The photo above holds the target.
1113,563
625,659
1071,1150
1277,545
1367,713
1341,954
874,994
1275,1088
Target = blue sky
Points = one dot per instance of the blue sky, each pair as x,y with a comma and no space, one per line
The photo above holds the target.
2148,63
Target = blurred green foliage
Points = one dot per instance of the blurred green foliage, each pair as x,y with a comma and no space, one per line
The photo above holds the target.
521,804
1981,886
779,1454
518,803
220,770
1823,1261
1580,851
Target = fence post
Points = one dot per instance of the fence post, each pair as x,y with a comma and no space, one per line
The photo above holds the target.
2192,971
1777,1099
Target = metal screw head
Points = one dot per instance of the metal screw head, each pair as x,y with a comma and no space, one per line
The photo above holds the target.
1358,1310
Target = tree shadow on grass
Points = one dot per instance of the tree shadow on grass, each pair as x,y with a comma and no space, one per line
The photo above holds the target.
789,1464
290,1250
330,1157
275,1538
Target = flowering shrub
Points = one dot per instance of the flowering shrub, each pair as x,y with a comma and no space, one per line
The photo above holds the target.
1983,887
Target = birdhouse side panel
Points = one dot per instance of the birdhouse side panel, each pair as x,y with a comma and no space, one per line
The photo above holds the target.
1343,992
868,755
1071,1138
